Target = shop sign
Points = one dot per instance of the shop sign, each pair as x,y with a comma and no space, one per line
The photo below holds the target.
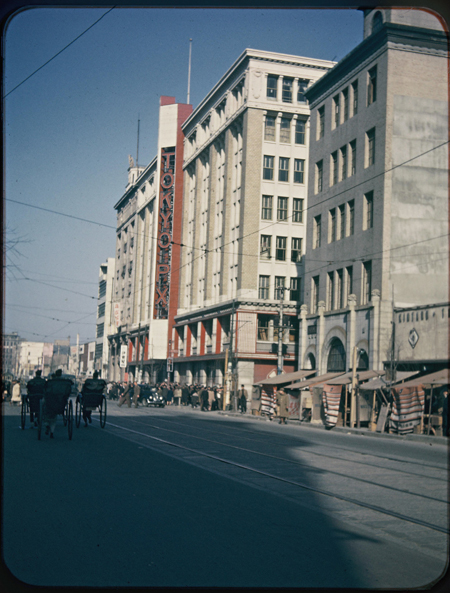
123,356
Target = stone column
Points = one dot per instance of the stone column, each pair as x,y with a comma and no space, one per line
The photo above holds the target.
321,337
303,336
374,343
279,88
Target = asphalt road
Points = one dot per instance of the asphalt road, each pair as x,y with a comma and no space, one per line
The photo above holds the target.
181,498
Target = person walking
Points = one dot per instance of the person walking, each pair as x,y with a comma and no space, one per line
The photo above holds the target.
204,399
125,396
242,399
136,394
57,393
283,405
177,393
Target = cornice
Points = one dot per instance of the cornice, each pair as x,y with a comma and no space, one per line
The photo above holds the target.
390,33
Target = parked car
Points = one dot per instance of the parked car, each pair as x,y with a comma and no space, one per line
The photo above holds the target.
149,396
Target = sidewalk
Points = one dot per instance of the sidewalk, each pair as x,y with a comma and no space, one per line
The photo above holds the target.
421,438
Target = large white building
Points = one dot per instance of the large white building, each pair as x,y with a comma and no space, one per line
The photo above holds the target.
145,291
377,235
244,232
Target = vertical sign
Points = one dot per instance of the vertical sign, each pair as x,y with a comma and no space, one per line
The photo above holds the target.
165,225
117,314
123,356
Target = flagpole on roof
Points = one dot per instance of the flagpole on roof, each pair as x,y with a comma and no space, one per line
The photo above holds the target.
189,73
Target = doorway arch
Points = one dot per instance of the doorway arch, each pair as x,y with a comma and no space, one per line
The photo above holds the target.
336,361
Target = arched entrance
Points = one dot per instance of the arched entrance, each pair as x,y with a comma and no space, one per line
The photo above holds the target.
363,361
336,357
311,361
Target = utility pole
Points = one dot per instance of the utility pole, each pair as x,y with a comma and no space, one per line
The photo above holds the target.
225,383
233,378
280,360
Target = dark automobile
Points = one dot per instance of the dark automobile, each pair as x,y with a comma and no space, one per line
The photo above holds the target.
149,396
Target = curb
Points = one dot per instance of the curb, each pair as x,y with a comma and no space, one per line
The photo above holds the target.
421,438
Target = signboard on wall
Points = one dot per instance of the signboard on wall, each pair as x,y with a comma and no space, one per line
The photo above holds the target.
164,237
123,356
117,314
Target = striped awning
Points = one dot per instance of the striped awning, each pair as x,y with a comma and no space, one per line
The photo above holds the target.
286,378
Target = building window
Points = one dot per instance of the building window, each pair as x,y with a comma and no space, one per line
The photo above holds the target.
102,288
345,111
263,327
330,291
319,177
348,282
286,95
334,168
302,86
296,250
320,122
279,288
372,86
336,116
351,217
285,130
299,170
332,229
101,310
339,289
269,128
368,211
283,169
314,293
367,282
370,143
268,168
352,157
272,82
266,208
317,228
297,210
100,330
354,98
265,247
282,209
280,252
263,292
341,211
343,152
299,131
294,289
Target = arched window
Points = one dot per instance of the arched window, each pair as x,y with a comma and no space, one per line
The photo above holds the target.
311,361
377,22
336,357
363,361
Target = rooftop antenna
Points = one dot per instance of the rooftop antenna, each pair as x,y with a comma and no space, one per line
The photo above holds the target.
137,151
189,73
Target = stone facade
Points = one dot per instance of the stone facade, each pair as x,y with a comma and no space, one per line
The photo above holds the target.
378,190
245,191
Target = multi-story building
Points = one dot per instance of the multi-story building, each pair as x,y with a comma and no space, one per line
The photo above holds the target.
245,193
378,191
10,354
34,356
86,359
105,322
148,244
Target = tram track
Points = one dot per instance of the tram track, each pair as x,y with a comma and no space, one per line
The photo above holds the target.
364,463
286,480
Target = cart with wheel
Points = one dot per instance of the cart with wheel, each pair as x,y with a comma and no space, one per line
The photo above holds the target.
30,401
56,402
91,398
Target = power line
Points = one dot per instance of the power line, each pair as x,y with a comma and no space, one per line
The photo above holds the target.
59,53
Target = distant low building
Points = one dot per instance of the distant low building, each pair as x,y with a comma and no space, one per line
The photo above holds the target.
10,353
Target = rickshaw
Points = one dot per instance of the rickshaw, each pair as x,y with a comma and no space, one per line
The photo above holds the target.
56,401
91,398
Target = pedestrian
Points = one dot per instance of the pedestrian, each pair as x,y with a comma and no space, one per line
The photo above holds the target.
125,396
36,390
136,394
242,399
177,394
204,399
169,396
256,400
185,395
91,386
57,393
16,397
283,405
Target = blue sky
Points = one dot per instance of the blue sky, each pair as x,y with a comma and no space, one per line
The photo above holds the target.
69,129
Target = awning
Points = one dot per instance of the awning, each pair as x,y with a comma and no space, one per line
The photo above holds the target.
313,381
437,378
286,378
380,383
362,376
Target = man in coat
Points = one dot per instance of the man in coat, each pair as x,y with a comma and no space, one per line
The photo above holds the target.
136,394
242,399
283,405
125,396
